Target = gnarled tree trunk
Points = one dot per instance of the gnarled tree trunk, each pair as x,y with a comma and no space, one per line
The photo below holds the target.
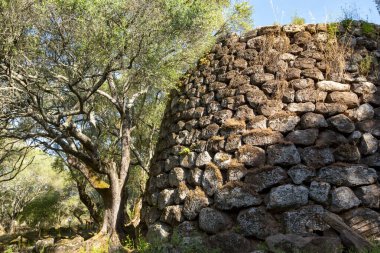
113,217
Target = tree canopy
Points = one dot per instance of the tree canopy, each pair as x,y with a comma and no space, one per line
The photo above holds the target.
77,77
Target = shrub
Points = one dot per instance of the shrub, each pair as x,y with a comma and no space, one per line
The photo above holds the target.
368,29
365,65
297,20
184,151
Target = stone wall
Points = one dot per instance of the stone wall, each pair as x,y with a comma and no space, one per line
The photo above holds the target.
271,130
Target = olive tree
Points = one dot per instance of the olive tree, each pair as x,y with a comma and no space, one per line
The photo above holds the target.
72,73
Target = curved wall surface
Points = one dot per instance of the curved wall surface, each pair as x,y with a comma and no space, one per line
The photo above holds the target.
269,132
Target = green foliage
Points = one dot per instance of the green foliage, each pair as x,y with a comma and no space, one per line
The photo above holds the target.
297,20
176,243
44,196
347,24
332,30
368,29
240,19
139,244
376,248
9,250
43,209
135,189
13,158
184,151
365,65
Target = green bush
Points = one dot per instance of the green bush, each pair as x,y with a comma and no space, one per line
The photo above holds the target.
368,29
184,151
347,24
297,20
176,242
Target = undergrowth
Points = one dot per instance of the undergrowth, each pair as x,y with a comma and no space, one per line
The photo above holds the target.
176,244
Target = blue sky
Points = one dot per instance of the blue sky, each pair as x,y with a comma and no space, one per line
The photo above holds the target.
267,12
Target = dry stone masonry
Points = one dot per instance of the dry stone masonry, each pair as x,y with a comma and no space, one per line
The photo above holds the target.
269,132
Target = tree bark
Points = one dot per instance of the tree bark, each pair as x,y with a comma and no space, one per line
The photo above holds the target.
113,217
87,201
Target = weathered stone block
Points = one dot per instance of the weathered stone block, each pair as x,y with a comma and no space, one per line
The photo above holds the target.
233,142
370,126
256,98
235,196
348,98
313,120
300,84
162,181
271,107
301,107
303,137
330,108
203,159
195,176
302,38
283,122
221,116
266,178
319,191
368,144
172,215
296,243
158,231
293,73
212,179
236,171
300,173
330,138
222,160
369,195
230,242
283,154
244,112
165,198
194,202
213,221
313,73
287,196
332,86
343,198
260,78
310,95
188,160
258,122
307,219
364,88
348,175
363,112
240,64
257,222
347,153
251,156
304,63
342,123
176,176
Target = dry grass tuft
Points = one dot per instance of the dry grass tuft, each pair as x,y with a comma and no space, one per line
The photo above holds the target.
235,165
234,124
259,132
217,138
